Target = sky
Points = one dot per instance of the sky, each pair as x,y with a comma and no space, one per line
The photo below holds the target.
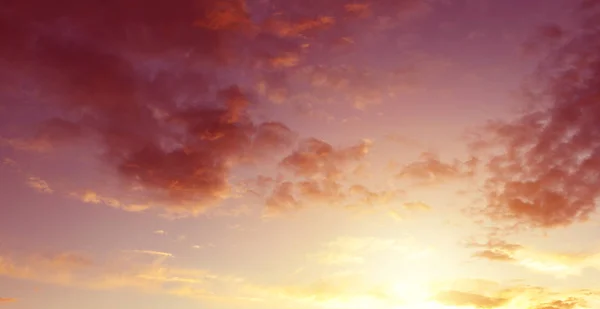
283,154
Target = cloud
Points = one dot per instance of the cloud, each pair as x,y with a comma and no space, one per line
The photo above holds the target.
39,184
477,293
143,271
343,290
317,173
416,206
496,250
9,162
160,232
357,85
89,196
464,299
570,303
35,145
544,163
237,211
48,135
493,255
282,199
7,300
356,250
560,264
51,268
198,247
430,170
316,158
545,38
158,92
154,253
161,128
153,272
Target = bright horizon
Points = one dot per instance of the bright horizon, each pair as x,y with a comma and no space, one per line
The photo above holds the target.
282,154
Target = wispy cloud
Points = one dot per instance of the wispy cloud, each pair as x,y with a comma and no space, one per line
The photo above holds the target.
356,250
7,300
92,197
560,264
39,184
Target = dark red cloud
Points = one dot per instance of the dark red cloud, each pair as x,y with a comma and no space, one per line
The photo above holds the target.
151,83
547,170
160,124
546,37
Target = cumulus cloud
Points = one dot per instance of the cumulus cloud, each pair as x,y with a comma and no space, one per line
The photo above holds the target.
152,88
544,165
317,173
316,158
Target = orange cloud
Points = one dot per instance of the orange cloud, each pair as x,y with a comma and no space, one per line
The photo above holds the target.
282,199
431,170
89,196
225,15
315,158
144,271
285,60
496,250
154,253
286,28
318,173
464,299
560,264
358,250
570,303
39,184
415,206
7,300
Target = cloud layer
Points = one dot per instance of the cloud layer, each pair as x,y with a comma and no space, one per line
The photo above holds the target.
545,172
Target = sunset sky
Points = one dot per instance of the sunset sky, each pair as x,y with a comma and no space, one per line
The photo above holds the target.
314,154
